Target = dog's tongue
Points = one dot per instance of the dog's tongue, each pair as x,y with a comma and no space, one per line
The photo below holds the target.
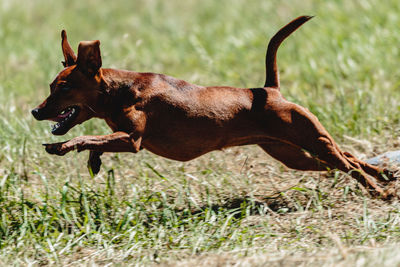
64,115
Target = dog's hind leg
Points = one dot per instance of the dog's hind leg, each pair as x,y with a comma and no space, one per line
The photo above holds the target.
295,125
383,175
292,156
329,153
296,158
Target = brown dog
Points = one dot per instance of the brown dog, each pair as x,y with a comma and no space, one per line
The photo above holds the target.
181,121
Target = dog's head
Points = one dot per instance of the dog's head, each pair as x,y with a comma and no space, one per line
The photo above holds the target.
75,92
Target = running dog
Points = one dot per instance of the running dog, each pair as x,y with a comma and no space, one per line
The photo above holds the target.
181,121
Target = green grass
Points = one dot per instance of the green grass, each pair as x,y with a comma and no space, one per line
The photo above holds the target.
233,207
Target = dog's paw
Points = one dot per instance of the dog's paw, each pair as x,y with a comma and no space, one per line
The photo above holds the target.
94,162
59,149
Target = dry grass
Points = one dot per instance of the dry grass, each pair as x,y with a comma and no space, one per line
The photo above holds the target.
278,216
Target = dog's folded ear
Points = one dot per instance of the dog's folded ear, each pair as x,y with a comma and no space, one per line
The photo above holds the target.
69,55
89,57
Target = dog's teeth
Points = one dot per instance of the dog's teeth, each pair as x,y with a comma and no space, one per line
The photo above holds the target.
68,113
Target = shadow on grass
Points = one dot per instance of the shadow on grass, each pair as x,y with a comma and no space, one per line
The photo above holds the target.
247,205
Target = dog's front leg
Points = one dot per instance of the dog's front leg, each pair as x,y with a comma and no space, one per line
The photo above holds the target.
116,142
94,162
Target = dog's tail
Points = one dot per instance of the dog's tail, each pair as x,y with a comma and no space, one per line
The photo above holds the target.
272,79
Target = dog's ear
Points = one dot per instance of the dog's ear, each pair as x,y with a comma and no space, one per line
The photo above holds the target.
69,55
89,57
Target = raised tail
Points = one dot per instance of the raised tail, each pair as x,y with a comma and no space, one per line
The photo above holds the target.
272,79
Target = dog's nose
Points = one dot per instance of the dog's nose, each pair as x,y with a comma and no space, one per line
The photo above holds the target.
35,113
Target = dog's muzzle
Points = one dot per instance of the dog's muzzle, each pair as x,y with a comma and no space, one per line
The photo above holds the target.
37,114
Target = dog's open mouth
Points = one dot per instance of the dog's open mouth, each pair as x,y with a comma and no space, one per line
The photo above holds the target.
64,120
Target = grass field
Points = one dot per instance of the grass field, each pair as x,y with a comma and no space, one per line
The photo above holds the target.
235,207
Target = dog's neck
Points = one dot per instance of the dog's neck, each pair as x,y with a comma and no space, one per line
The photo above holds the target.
117,85
118,80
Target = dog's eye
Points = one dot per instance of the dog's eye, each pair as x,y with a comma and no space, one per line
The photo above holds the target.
65,88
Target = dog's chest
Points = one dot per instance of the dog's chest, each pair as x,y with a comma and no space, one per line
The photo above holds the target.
127,119
111,124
